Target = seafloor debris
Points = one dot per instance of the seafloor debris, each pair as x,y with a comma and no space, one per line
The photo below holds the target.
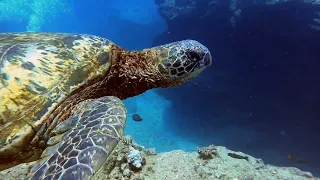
181,165
207,152
135,159
238,156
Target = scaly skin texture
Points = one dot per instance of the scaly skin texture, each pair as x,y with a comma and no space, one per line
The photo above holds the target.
45,78
84,141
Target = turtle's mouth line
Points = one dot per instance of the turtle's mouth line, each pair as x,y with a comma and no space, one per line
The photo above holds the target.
202,64
197,69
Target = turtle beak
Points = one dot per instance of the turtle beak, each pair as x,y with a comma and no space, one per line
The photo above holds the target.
207,59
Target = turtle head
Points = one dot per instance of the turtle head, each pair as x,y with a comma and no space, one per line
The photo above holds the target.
183,60
134,72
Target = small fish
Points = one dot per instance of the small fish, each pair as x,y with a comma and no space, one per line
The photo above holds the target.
136,117
297,159
237,156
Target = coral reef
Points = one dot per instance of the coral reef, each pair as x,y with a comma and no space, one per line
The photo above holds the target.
180,165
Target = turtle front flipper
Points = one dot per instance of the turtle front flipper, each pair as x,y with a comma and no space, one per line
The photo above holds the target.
87,139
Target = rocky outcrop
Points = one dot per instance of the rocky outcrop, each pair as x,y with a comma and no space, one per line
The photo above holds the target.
316,21
223,164
189,166
172,9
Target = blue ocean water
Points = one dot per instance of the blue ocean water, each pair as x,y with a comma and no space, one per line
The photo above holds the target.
261,95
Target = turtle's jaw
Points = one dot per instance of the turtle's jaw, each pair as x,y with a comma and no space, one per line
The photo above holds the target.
205,62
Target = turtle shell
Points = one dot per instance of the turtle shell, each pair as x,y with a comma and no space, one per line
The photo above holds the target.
38,71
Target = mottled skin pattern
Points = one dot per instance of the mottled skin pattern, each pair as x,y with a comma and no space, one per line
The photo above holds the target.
49,81
38,71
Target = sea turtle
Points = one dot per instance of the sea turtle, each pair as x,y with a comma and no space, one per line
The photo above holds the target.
60,96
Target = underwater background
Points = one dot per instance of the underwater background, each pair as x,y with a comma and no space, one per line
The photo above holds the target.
261,95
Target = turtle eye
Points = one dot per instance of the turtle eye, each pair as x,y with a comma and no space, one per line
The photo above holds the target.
193,56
